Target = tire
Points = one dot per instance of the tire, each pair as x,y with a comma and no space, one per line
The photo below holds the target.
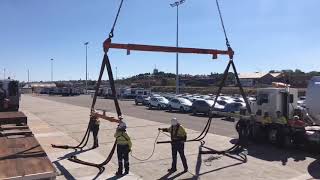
182,109
150,107
159,107
194,111
136,103
170,109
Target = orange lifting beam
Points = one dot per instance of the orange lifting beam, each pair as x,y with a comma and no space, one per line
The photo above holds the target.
139,47
105,117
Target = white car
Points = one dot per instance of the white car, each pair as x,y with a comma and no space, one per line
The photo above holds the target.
182,104
158,102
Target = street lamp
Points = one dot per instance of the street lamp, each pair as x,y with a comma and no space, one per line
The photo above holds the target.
51,69
177,4
86,44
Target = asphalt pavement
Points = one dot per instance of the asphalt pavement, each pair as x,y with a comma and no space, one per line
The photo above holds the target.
219,125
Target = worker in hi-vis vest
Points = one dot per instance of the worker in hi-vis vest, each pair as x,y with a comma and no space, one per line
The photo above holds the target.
124,145
280,119
94,125
178,137
266,119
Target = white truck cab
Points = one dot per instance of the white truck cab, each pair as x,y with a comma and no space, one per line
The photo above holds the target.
272,100
313,99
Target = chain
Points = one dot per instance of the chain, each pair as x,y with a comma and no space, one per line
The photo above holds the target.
115,20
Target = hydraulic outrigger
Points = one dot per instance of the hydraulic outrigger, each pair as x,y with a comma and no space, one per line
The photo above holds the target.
241,126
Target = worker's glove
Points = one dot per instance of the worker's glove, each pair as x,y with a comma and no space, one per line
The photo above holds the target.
160,129
129,150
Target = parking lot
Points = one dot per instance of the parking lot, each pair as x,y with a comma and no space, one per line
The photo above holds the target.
264,161
128,107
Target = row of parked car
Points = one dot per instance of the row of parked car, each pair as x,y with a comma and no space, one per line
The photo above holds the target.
192,103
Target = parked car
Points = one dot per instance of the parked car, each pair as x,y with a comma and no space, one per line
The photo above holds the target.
181,104
203,106
233,107
158,102
139,99
146,100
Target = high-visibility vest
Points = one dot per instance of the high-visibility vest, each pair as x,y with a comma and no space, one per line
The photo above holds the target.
266,120
123,138
282,120
177,132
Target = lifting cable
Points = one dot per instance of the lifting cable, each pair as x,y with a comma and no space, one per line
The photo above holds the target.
105,64
152,153
239,126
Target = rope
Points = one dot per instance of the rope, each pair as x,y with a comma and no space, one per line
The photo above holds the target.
115,20
152,153
222,24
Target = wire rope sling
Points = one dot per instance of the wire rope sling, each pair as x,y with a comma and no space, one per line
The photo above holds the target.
138,47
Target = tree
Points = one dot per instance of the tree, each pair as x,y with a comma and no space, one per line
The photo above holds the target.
298,71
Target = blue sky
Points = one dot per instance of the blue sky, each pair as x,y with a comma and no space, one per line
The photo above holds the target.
265,34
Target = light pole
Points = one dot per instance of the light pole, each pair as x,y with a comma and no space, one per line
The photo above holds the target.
28,76
51,69
86,44
116,73
177,4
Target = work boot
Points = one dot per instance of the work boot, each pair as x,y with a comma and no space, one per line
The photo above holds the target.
172,170
126,167
118,173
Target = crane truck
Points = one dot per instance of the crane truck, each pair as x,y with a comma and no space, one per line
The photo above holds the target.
302,128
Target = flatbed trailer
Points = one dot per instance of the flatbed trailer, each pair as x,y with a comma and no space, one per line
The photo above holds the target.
13,117
21,155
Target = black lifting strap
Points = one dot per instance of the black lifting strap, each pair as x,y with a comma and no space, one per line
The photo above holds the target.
106,62
86,136
242,139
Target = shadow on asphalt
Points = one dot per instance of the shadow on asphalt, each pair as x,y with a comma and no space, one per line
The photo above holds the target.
167,176
62,169
271,153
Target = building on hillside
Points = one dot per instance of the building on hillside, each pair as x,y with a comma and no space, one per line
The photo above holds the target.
256,79
295,80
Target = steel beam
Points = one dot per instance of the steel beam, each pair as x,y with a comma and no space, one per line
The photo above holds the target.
139,47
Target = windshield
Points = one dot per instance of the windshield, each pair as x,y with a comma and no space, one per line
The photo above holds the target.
161,99
184,100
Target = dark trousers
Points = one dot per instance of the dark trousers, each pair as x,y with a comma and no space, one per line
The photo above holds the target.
95,131
178,147
123,155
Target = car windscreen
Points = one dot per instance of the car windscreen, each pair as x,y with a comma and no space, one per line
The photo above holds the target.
184,100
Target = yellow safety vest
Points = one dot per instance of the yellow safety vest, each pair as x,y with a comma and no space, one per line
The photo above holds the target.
282,120
266,120
177,134
122,138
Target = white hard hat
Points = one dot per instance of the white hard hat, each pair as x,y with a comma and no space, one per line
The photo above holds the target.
174,121
122,125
